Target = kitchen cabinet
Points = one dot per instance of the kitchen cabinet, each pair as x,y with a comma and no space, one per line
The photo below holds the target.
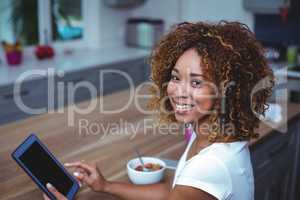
293,84
275,164
74,87
117,79
34,93
296,169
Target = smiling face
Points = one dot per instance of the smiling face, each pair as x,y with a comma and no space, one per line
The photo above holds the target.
190,94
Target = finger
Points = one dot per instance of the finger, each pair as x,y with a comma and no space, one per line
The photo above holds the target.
80,170
81,165
46,197
84,178
77,176
55,192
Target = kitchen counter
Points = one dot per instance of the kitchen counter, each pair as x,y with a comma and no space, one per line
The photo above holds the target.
111,151
281,69
73,62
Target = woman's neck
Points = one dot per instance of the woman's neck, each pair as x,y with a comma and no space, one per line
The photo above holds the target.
201,128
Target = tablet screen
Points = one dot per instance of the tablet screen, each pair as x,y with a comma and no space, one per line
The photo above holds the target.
45,169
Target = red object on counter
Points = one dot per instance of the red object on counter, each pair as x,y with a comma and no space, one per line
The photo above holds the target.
14,57
44,51
13,52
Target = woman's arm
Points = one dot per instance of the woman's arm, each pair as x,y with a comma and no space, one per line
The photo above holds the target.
186,192
91,175
155,191
159,191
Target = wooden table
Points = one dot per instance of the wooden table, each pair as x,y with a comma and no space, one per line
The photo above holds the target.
111,151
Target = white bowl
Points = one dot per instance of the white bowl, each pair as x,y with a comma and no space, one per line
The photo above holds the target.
141,177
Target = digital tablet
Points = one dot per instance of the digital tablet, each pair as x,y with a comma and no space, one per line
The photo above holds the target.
37,161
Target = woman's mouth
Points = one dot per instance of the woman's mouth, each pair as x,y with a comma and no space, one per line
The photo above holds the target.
183,108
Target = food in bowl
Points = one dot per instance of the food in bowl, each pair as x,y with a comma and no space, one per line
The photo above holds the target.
139,176
150,166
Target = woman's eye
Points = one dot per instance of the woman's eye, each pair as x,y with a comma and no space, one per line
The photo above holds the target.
196,83
174,78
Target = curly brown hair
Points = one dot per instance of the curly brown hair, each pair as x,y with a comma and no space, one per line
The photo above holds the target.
230,53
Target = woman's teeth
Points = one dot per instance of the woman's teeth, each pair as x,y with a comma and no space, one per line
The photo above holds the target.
184,106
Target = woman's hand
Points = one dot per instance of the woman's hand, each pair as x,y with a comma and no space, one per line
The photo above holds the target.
90,174
57,194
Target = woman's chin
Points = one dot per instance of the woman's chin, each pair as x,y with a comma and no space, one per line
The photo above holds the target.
183,117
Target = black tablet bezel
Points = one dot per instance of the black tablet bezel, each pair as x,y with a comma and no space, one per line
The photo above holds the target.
24,147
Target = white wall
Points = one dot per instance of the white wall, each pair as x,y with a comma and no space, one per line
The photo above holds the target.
168,10
112,22
112,25
216,10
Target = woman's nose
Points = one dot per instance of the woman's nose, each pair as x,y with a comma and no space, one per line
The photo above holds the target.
182,90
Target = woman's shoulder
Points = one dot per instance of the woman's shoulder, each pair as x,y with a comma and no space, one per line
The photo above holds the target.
231,145
223,155
228,150
207,173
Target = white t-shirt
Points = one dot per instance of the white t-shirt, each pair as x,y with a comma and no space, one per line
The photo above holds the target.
223,170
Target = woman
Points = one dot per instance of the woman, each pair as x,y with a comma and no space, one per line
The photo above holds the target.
206,74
